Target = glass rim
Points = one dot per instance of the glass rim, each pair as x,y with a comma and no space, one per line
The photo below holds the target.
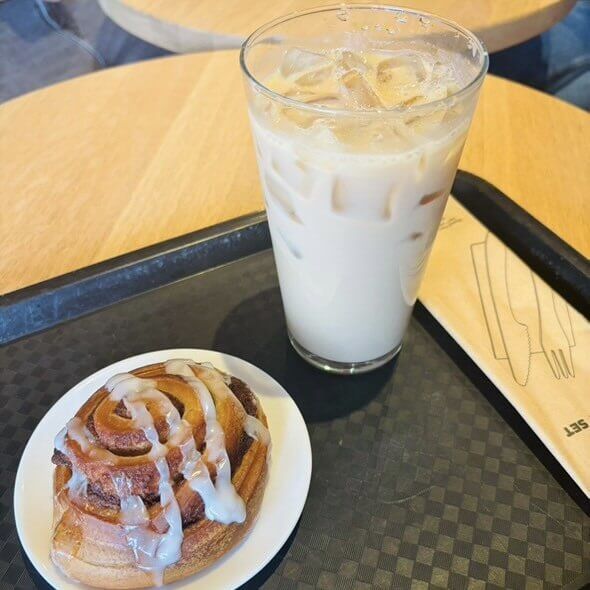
400,109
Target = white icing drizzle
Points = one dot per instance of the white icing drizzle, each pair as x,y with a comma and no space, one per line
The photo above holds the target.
255,429
153,551
169,550
222,502
77,485
226,378
133,511
60,440
78,432
134,392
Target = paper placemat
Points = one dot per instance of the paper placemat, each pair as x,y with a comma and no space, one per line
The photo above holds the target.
528,341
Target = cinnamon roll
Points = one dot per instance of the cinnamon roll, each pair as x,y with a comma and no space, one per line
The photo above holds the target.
159,474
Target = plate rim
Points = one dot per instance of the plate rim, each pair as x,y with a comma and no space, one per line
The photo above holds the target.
304,446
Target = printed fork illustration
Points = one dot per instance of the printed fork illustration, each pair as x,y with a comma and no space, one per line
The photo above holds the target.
555,331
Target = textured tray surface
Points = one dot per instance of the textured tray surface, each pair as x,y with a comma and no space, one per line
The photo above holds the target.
417,480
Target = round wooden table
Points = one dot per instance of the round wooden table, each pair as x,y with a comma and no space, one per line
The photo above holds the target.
110,162
194,25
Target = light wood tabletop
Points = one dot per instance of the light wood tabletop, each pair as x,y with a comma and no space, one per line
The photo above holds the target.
185,25
108,163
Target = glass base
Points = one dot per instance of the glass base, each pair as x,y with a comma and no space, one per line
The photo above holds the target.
342,368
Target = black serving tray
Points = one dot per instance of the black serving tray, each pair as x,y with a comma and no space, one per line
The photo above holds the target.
424,476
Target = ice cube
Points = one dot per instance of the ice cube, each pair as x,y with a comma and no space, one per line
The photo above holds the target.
358,92
326,100
287,243
403,131
347,60
428,123
428,93
430,198
372,207
442,71
348,132
278,193
306,68
402,75
321,134
402,68
301,61
258,150
314,77
454,156
299,117
305,118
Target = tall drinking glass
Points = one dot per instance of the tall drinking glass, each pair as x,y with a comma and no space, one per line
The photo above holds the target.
359,115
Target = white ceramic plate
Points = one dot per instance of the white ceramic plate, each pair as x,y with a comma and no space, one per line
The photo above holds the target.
288,484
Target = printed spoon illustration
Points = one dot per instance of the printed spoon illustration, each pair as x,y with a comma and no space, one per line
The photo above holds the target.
515,335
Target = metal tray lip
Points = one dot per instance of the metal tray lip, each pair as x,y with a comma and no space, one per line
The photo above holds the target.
134,257
39,307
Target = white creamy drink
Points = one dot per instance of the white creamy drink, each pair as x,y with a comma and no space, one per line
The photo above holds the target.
355,175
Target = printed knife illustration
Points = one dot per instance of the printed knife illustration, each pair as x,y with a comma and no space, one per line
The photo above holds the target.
521,292
514,334
478,255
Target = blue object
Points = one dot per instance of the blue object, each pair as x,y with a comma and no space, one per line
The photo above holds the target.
557,62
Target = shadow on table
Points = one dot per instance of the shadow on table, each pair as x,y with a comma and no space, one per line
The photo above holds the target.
255,331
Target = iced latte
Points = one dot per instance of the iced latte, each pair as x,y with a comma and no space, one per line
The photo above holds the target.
359,117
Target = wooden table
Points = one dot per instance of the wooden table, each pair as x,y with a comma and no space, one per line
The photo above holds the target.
182,25
114,161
